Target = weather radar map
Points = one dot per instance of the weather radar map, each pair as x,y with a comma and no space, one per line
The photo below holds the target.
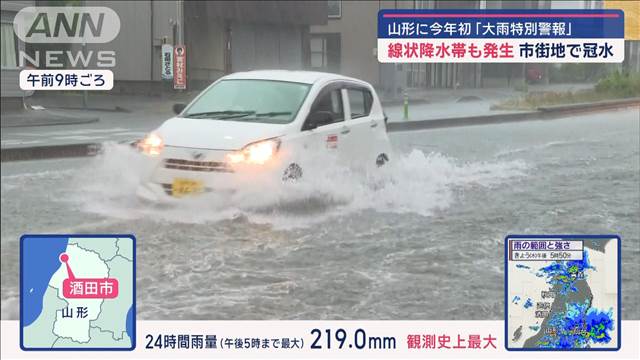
562,292
77,292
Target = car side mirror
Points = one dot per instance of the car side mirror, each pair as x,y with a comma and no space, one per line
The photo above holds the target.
178,107
318,118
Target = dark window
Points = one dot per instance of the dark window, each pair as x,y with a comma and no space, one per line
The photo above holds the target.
334,8
330,101
9,46
325,52
360,101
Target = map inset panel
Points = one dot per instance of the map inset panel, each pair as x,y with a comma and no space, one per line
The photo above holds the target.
77,292
562,292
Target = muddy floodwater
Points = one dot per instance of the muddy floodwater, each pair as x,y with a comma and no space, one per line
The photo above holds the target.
423,240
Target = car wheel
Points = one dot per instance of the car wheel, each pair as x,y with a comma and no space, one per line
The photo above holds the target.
382,159
292,172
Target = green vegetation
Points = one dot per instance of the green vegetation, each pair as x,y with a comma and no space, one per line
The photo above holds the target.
620,84
616,85
570,73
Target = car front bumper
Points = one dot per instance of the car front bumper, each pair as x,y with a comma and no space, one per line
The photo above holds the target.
207,167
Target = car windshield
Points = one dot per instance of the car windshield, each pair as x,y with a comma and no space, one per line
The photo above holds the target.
263,101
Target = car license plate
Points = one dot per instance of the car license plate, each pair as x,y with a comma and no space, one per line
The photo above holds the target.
181,187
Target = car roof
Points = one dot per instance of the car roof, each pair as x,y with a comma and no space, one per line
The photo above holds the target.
306,77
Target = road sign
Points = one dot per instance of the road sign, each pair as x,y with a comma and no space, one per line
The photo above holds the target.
180,67
167,62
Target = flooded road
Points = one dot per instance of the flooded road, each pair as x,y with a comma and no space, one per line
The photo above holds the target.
424,240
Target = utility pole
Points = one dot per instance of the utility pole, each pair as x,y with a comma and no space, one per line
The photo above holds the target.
180,32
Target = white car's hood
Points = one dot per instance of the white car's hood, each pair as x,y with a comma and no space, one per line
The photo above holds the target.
215,134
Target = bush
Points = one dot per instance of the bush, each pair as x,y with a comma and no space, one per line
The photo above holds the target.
569,73
620,84
616,85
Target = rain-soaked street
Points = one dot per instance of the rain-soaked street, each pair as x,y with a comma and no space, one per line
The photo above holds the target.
424,241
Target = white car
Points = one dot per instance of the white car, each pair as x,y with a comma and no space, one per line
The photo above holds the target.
251,125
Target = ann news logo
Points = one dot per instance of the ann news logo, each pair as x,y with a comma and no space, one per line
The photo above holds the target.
73,24
71,28
66,25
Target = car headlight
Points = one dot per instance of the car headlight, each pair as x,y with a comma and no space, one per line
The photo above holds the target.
255,153
152,144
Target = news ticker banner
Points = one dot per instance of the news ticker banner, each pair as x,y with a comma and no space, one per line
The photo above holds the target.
501,36
321,339
562,293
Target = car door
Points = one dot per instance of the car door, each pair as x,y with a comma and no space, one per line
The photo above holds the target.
328,139
362,124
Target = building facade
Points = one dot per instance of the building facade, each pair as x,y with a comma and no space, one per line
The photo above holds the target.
11,93
220,37
227,36
348,44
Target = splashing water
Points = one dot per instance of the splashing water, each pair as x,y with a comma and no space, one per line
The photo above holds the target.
412,183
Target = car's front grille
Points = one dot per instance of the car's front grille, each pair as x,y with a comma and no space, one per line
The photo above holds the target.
192,165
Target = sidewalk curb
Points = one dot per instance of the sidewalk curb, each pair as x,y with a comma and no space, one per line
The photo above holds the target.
412,101
543,113
50,152
80,108
80,122
29,117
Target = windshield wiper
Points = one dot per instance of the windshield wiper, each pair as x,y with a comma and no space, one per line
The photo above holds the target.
224,112
235,114
274,113
255,115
